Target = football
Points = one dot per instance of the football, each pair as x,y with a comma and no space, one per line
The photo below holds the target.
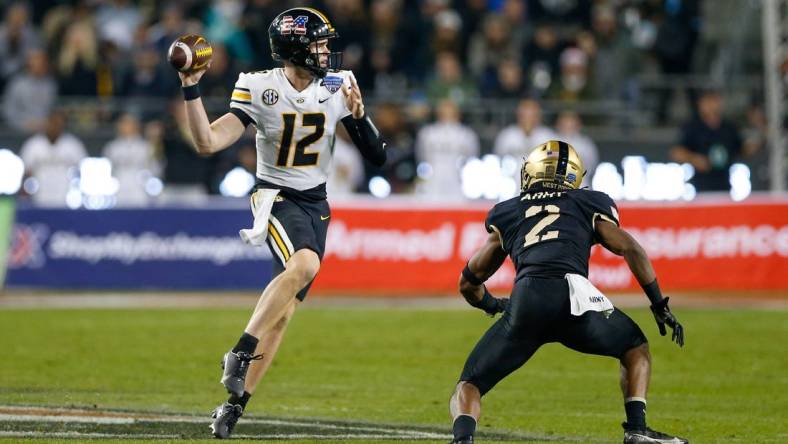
189,53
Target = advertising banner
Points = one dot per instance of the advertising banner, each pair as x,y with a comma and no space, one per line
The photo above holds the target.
694,246
135,249
6,221
380,247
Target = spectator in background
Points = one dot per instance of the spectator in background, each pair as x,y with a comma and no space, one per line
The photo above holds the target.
186,174
615,59
218,81
447,34
448,81
710,143
572,85
756,134
48,157
569,126
443,145
30,95
133,161
574,14
78,60
509,81
147,77
247,158
519,139
400,167
415,54
489,48
541,57
17,40
518,22
169,27
223,24
387,36
347,173
674,47
473,13
117,21
257,15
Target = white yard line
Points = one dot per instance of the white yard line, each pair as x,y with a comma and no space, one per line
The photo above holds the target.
349,437
61,415
75,435
65,418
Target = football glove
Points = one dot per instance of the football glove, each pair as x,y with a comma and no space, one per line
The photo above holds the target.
663,315
490,304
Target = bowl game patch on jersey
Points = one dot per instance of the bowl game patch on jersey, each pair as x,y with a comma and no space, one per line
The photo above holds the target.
332,83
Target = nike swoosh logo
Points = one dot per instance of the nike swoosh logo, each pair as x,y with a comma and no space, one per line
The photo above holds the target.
324,217
322,100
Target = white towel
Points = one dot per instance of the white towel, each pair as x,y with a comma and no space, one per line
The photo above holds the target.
263,200
583,297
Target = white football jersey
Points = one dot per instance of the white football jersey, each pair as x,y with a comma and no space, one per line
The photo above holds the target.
295,130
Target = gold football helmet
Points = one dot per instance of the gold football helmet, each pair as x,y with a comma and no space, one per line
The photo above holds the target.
555,163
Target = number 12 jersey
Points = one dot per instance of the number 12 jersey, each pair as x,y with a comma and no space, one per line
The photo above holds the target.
295,130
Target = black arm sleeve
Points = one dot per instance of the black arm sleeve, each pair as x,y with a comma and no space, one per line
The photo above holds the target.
242,116
366,138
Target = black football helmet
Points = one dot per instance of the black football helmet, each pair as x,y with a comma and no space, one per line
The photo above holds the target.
291,34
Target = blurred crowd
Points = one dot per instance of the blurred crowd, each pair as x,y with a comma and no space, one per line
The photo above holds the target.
442,55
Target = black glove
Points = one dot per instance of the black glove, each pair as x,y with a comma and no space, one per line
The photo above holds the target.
490,304
663,316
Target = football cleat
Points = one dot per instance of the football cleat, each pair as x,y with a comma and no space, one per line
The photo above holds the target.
649,436
235,366
224,418
466,440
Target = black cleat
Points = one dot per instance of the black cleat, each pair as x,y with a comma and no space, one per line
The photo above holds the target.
649,436
235,366
224,418
466,440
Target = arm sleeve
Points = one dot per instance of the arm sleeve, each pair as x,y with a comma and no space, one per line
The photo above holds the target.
241,101
366,138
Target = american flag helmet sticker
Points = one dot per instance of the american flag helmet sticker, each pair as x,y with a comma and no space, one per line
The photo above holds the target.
294,26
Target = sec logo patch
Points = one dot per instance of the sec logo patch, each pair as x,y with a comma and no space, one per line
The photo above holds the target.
270,96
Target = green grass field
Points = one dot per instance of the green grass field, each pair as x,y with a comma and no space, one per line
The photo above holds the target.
389,369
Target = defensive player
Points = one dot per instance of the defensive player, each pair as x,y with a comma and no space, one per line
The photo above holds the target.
548,231
295,110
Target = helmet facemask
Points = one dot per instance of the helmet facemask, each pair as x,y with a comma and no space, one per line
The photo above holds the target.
312,59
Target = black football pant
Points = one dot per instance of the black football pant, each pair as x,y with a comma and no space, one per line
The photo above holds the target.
538,314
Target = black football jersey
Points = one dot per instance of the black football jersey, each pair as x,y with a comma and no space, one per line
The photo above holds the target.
549,233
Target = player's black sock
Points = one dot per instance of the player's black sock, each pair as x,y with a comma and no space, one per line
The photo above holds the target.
242,400
464,426
247,343
636,414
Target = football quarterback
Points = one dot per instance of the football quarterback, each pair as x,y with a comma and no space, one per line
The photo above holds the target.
295,110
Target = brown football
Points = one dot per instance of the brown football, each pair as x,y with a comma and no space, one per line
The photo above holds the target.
189,53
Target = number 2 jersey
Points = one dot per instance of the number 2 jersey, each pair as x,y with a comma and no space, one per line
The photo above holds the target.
295,130
548,233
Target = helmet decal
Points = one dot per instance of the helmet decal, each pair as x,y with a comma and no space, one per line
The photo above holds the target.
297,26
